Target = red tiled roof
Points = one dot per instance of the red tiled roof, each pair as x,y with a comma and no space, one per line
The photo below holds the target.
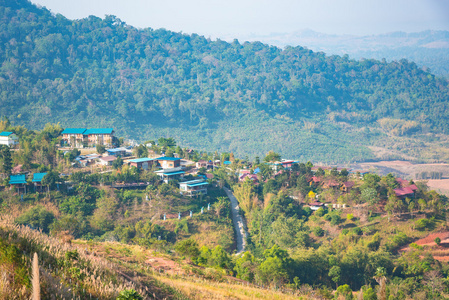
348,184
317,203
316,179
108,158
209,176
403,191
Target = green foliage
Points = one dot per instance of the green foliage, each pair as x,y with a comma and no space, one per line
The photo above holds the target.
188,248
318,231
272,157
437,241
425,224
129,295
118,163
100,149
37,217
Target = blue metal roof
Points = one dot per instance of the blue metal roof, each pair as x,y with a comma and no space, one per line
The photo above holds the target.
173,173
143,159
99,131
227,162
167,158
116,150
37,177
6,133
197,184
17,179
74,131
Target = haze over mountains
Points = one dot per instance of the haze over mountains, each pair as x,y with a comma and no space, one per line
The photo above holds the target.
247,98
429,49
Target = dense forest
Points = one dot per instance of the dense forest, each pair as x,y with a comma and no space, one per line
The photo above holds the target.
248,98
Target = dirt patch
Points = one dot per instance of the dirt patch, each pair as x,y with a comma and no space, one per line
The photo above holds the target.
165,265
430,239
405,169
440,185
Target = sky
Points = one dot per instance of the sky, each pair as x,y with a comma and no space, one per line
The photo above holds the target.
237,18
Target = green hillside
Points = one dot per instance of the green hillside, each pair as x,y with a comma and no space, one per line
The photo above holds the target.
247,98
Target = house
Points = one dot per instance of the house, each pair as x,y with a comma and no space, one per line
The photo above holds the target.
99,136
37,180
117,152
201,164
347,186
316,205
287,164
144,163
170,174
18,181
74,137
168,162
314,181
107,160
8,138
406,189
193,187
243,172
330,183
252,177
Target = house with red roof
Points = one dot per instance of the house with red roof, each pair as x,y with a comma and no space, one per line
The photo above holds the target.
347,186
405,189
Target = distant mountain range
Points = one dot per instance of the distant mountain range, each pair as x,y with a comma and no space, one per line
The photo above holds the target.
429,49
246,98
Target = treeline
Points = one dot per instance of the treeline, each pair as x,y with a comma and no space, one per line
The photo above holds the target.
107,73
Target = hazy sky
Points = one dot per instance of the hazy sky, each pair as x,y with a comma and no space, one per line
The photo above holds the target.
227,18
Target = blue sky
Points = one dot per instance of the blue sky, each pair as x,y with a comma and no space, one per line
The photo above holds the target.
234,18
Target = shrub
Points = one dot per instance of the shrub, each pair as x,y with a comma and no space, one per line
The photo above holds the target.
357,231
335,219
424,224
129,295
318,231
37,217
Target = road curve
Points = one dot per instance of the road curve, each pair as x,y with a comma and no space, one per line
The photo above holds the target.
238,222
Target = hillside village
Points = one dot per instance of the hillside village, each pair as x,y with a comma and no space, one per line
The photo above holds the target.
88,186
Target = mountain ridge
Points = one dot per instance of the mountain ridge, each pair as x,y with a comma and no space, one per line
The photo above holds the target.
247,98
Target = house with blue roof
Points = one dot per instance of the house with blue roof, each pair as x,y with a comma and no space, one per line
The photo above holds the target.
78,137
99,136
8,138
143,163
168,162
193,187
19,182
117,152
74,137
170,174
37,180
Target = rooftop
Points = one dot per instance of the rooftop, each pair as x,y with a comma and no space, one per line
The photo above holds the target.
17,179
143,159
167,158
74,131
37,177
6,133
99,131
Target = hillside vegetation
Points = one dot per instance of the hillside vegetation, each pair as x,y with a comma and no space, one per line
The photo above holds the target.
247,98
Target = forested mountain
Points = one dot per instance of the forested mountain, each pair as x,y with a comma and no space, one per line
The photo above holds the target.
247,98
429,49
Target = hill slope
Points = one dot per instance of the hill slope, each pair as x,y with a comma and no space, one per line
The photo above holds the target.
247,98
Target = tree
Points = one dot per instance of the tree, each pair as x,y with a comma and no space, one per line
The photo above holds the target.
335,275
51,179
437,241
272,156
188,248
6,158
37,217
100,149
166,142
118,163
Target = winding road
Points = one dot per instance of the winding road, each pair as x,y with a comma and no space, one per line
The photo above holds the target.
238,222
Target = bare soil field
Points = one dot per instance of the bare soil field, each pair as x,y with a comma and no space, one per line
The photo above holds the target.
408,170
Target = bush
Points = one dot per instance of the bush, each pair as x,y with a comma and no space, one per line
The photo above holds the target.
335,219
357,231
424,224
129,295
37,217
318,231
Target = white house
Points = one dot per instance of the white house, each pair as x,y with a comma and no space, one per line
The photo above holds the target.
193,187
8,138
